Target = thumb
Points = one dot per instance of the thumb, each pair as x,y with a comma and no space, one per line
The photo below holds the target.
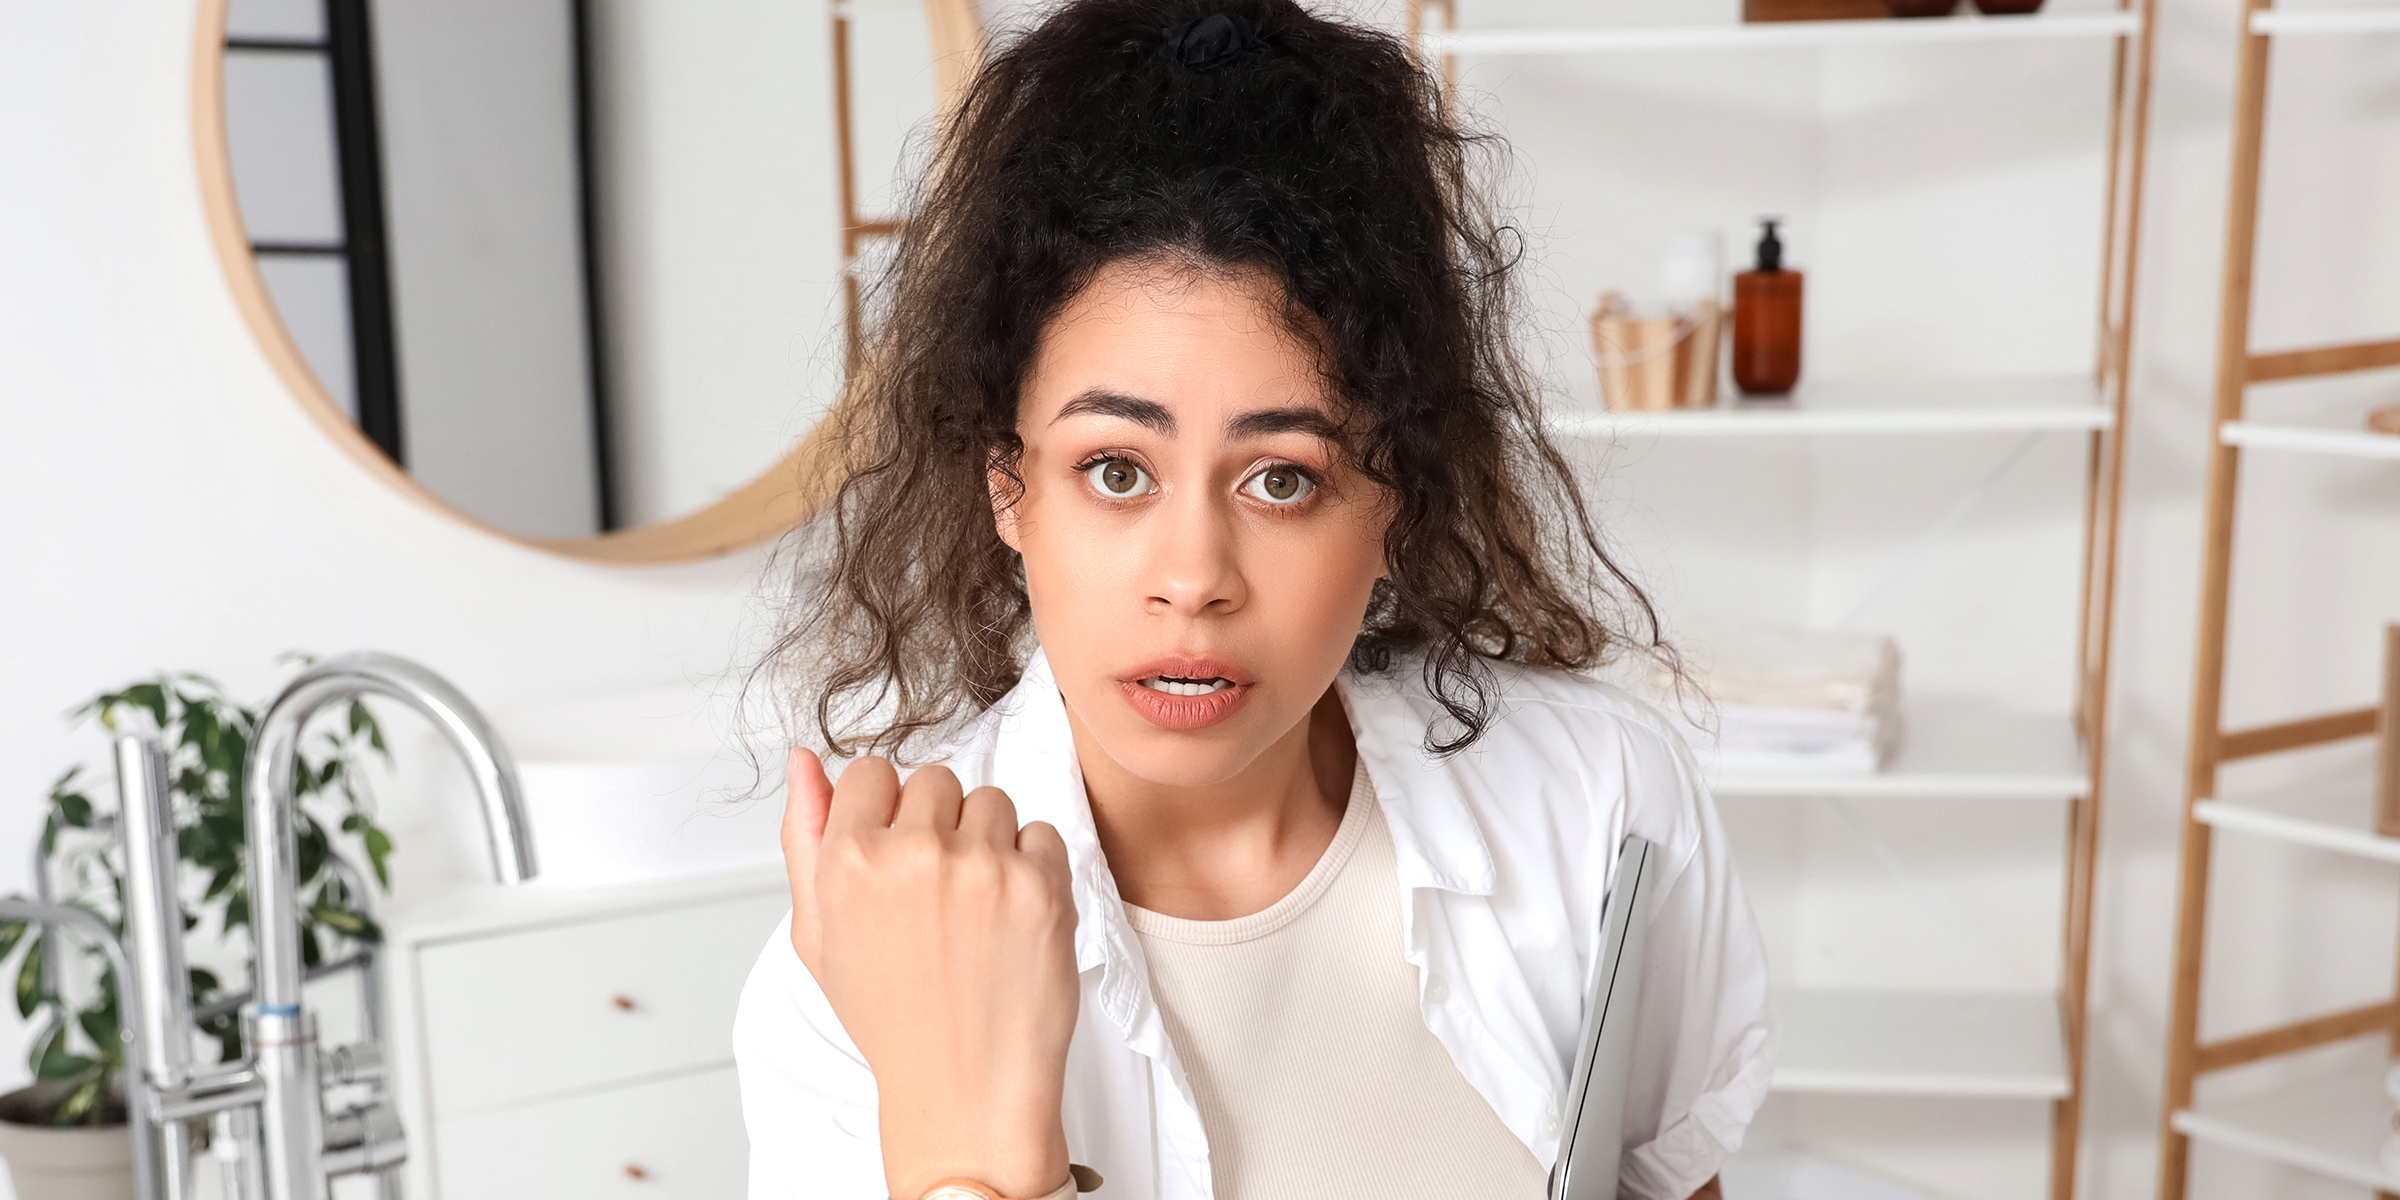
808,796
808,799
1039,840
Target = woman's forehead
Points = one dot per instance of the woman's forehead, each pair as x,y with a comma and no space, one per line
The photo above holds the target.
1175,350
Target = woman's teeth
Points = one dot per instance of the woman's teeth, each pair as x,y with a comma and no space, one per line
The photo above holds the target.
1185,687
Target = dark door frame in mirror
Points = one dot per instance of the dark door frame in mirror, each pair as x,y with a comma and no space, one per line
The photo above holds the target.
358,143
778,499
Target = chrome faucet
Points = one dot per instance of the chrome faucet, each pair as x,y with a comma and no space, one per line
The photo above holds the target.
271,1107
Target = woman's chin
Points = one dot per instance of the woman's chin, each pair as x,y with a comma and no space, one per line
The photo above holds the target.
1183,758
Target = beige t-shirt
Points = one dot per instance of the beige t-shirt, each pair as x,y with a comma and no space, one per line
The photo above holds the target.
1299,1029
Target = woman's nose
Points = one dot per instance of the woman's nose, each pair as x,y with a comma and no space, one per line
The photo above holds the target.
1195,566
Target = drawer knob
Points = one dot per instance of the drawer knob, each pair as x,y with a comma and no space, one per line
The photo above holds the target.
623,1002
635,1171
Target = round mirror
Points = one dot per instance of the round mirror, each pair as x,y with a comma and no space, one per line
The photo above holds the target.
580,272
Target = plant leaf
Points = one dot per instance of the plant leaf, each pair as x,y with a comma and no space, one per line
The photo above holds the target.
47,1043
12,932
82,1105
379,849
227,1029
29,981
100,1025
152,697
55,1061
356,926
74,809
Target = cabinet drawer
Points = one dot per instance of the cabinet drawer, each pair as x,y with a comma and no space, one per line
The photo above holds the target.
516,1017
677,1139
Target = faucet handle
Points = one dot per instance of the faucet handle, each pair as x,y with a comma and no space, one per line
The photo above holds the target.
364,1138
358,1062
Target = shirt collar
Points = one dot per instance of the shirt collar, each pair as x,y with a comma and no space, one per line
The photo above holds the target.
1435,836
1438,842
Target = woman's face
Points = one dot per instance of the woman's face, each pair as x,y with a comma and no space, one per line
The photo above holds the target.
1198,554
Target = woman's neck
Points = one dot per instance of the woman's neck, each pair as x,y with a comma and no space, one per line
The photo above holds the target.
1231,848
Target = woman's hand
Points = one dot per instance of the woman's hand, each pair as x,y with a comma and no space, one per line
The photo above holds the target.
944,937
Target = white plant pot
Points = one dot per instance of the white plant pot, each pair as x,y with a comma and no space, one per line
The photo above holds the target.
51,1162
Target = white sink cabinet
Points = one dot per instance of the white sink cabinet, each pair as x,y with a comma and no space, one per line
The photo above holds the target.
575,1043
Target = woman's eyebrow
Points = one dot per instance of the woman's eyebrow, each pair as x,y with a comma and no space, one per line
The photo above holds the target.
1098,402
1296,419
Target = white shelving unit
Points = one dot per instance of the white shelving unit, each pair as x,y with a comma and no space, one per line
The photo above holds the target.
2349,443
1799,1177
2300,831
1779,34
2334,1128
1953,749
2028,404
2024,1045
2333,1125
1995,1045
2383,19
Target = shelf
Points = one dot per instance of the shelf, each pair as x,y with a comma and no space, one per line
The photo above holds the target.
2028,404
2351,443
2324,835
2326,20
1786,1175
2334,1125
1892,1043
1773,34
1948,749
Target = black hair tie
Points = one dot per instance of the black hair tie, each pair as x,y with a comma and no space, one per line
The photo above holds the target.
1210,41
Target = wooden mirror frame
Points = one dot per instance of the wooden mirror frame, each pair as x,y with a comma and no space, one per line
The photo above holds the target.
781,497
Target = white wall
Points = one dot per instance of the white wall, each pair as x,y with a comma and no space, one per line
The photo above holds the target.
170,507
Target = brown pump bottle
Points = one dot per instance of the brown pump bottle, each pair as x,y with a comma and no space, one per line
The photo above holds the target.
1766,321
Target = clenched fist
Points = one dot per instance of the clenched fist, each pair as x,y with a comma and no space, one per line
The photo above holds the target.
944,936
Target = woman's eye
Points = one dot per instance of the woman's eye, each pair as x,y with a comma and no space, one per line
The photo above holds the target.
1118,479
1282,483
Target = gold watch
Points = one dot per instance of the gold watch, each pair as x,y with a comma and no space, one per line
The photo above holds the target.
968,1189
1080,1178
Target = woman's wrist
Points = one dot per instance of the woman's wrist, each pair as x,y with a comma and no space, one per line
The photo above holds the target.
976,1189
931,1138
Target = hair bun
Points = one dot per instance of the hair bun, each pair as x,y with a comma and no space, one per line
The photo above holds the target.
1209,41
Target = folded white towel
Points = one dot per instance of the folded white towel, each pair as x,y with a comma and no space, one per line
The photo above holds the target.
1783,666
1788,699
1748,738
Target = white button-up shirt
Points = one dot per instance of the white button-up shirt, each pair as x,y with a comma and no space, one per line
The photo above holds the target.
1504,855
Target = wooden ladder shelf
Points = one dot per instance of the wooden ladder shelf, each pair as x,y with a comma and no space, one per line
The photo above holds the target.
2212,746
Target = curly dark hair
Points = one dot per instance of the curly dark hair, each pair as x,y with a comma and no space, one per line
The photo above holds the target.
1218,136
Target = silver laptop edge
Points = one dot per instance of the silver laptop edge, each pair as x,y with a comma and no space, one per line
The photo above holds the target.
1592,1136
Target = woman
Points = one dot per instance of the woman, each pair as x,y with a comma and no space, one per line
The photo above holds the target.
1198,498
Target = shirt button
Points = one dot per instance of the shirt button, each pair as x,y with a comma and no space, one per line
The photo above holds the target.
1436,989
1549,1126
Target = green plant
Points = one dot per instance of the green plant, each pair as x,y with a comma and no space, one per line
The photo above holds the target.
207,737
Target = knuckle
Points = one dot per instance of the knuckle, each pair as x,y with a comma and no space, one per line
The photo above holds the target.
981,872
933,779
916,851
997,800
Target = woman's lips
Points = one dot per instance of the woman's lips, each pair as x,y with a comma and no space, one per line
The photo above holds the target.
1199,692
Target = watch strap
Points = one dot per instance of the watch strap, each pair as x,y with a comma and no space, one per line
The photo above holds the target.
1079,1179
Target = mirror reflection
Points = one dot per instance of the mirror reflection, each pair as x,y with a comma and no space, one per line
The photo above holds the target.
575,265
